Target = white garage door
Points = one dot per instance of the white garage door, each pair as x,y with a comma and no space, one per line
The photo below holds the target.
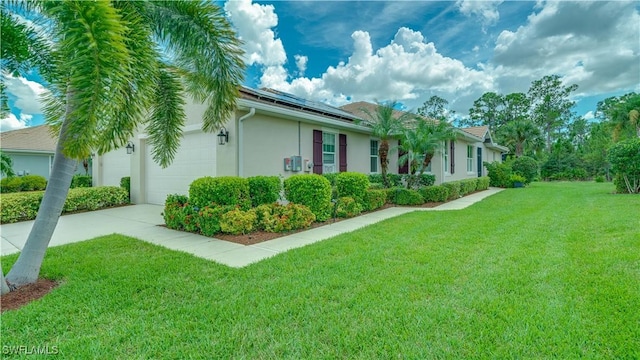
195,159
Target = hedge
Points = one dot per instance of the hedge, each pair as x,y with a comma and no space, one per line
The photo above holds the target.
347,207
223,190
403,196
79,181
483,183
281,218
311,190
467,186
264,189
24,183
352,184
374,199
454,189
434,193
24,206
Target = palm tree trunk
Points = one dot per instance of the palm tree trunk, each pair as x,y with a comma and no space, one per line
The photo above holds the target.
27,268
3,284
383,152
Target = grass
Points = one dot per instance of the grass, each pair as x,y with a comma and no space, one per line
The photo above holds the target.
549,271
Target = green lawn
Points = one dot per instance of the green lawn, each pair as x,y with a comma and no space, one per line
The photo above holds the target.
549,271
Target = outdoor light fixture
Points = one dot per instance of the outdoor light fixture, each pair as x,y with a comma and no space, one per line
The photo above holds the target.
223,136
130,148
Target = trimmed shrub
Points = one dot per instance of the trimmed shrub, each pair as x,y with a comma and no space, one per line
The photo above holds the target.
331,177
33,183
352,184
311,190
24,206
426,180
11,184
208,219
125,183
392,194
483,183
467,186
374,199
172,214
223,190
19,206
238,221
264,189
454,189
347,207
394,179
376,186
498,173
526,167
279,218
403,196
434,193
79,181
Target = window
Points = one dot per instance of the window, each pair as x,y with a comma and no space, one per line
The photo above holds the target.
328,153
469,158
374,156
446,157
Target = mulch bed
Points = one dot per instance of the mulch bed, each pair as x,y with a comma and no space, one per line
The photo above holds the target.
25,294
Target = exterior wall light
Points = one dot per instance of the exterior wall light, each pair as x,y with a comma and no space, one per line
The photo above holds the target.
223,136
130,148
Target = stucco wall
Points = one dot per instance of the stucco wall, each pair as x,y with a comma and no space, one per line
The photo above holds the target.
26,163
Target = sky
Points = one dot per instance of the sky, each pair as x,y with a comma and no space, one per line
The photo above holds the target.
344,51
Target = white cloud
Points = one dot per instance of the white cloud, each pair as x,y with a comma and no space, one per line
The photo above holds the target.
487,10
27,93
11,122
254,23
589,116
301,63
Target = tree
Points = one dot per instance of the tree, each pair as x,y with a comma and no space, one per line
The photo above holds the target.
385,123
550,105
435,108
624,114
107,78
624,157
487,110
6,165
518,134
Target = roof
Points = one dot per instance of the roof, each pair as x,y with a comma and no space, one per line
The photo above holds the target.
275,97
356,108
35,138
479,131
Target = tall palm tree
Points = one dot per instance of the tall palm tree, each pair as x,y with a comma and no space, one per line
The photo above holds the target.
108,78
385,123
520,133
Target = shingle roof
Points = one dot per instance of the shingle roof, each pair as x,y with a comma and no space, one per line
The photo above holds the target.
355,108
479,131
36,138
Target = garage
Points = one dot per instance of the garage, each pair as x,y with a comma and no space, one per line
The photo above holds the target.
195,158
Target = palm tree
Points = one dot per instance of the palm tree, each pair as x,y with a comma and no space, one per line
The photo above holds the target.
108,78
386,123
519,133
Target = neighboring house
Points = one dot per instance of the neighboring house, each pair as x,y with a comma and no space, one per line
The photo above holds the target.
31,150
270,133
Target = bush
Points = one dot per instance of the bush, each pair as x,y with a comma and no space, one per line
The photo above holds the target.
454,189
467,186
352,184
403,196
621,186
331,177
95,198
223,190
426,180
79,181
625,162
526,167
483,183
11,184
498,174
347,207
125,183
376,186
264,189
19,206
434,193
279,218
515,179
173,214
33,183
374,199
208,219
600,179
238,221
311,190
394,179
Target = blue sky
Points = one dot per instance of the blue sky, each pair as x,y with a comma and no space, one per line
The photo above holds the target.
342,51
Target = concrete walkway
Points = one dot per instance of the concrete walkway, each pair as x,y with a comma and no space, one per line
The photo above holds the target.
141,221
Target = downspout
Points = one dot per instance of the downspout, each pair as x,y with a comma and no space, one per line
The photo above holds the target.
252,111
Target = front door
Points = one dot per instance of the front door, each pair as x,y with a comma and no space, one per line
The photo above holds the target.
479,161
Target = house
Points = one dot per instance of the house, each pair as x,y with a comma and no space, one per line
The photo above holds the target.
270,133
31,150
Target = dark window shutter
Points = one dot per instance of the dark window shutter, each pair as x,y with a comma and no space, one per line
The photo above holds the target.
452,156
402,169
317,152
342,143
